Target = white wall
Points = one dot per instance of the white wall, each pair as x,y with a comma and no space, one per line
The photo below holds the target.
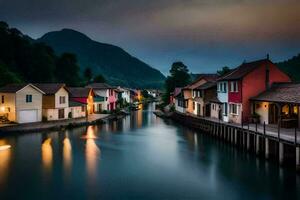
223,97
61,93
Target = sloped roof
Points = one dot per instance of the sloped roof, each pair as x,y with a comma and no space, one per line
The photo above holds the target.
215,100
206,85
281,93
49,88
176,91
100,86
79,91
75,104
13,88
207,77
245,69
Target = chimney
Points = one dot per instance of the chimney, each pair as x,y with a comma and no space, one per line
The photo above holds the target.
268,57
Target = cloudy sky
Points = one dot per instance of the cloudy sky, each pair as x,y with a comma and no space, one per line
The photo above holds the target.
204,34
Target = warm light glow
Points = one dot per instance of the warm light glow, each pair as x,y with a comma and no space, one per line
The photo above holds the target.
47,154
67,153
92,152
5,156
4,147
90,134
285,109
2,108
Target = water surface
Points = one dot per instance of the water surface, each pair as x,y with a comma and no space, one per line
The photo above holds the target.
138,157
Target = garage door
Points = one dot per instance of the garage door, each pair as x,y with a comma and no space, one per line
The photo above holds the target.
27,116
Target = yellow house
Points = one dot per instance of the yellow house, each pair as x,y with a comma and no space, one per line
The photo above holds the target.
21,103
55,104
191,93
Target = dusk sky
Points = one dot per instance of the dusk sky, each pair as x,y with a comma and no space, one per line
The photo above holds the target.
204,34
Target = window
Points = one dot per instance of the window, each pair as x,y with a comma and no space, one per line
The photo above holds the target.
234,86
82,108
225,109
28,98
193,105
233,109
222,87
2,99
62,100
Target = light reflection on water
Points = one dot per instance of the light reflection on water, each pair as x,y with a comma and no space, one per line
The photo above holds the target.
47,154
138,157
5,157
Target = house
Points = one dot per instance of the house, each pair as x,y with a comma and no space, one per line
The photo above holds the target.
278,105
248,80
105,96
21,103
77,109
181,103
55,102
216,108
83,96
123,95
177,90
188,94
135,95
201,97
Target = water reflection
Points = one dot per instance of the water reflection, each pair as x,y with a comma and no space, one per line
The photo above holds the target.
67,154
92,152
47,154
5,157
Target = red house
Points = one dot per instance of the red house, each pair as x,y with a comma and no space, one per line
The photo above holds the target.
249,80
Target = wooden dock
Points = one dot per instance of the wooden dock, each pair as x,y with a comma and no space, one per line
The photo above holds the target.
282,145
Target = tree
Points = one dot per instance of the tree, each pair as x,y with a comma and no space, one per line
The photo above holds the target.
179,77
99,79
145,94
88,74
223,71
7,77
67,70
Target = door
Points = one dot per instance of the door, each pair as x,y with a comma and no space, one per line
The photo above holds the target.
28,116
207,110
198,109
61,113
273,114
99,107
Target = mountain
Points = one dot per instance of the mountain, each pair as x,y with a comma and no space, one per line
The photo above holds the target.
117,66
291,67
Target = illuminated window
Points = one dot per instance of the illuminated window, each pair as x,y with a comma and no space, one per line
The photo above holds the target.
285,109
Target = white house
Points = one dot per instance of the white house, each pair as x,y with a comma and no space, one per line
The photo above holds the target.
21,103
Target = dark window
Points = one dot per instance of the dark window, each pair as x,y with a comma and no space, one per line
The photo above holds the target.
225,109
2,99
62,100
82,108
28,98
193,105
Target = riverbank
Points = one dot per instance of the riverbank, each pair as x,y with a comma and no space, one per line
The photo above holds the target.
265,141
59,124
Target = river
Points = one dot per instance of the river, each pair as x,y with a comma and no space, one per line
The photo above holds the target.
138,157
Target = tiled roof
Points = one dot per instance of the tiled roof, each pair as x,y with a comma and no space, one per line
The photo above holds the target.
12,88
244,69
281,93
79,91
49,88
215,100
207,77
206,85
176,91
100,86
